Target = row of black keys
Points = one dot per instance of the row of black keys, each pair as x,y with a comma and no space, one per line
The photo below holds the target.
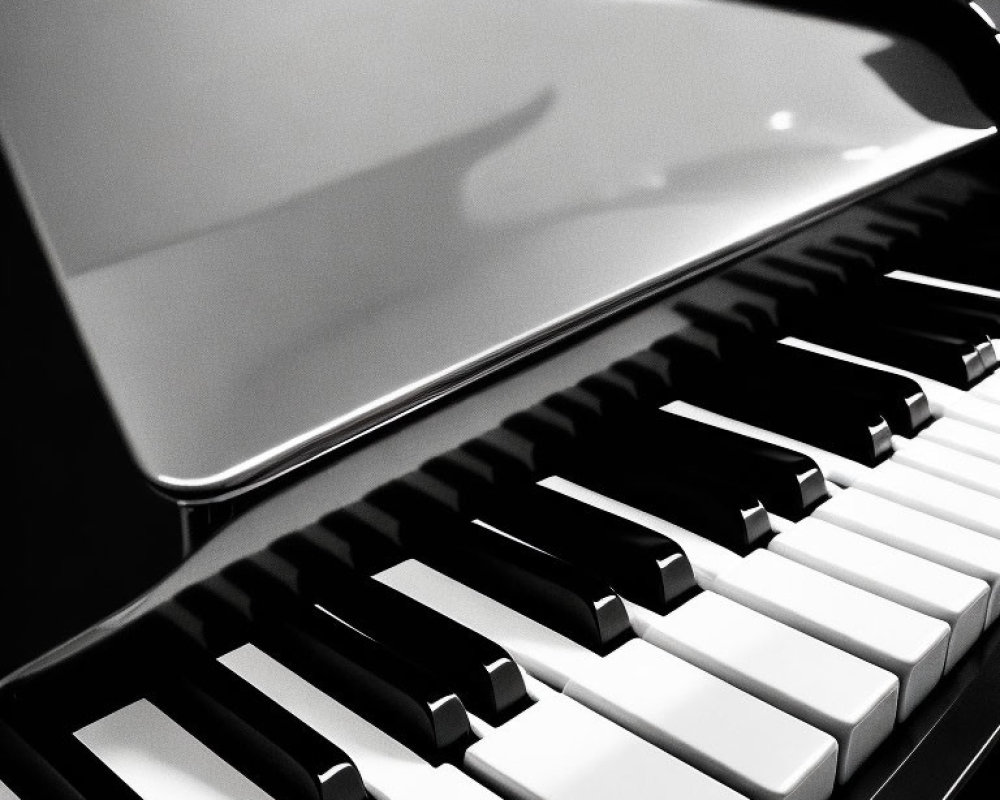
309,601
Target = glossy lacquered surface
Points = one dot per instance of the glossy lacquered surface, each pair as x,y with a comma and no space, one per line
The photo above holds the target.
277,227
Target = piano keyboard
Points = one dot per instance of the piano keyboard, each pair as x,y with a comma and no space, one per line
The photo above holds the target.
735,564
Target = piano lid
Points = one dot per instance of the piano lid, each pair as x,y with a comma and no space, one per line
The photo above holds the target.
278,225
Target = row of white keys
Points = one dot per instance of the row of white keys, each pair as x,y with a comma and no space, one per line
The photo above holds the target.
965,437
891,479
946,462
715,727
989,387
943,400
914,582
932,495
921,534
907,643
852,700
899,506
560,750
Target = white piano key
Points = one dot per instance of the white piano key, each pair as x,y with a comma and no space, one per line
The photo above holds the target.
390,770
943,400
160,760
6,793
989,387
965,438
921,534
942,283
958,599
945,462
905,642
718,729
850,699
705,721
559,750
932,495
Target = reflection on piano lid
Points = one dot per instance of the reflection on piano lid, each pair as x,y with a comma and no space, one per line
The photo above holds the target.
554,400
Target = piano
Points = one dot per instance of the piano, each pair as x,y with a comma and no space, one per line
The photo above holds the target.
526,400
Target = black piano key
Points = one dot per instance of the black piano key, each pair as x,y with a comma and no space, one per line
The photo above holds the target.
539,585
797,298
640,565
898,399
43,741
976,328
976,309
628,470
911,317
481,672
396,695
720,511
353,546
817,415
786,482
944,358
217,614
27,773
919,304
244,727
965,259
